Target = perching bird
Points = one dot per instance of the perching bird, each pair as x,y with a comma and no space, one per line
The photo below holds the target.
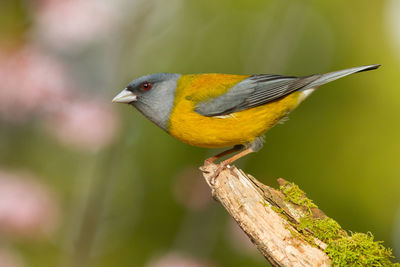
221,110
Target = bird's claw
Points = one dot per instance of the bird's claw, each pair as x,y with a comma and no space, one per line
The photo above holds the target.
206,163
216,173
204,169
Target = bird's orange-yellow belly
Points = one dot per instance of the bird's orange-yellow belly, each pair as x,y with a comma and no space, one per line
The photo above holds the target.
238,128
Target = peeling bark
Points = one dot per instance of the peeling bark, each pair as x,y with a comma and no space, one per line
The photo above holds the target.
252,205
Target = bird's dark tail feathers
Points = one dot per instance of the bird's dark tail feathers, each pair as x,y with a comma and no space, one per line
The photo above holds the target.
331,76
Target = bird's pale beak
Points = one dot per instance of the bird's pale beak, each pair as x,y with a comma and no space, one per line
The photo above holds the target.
125,96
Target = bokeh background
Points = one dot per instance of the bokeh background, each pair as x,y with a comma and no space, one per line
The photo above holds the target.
84,182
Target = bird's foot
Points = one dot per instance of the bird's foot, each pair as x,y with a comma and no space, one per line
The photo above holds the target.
216,173
207,162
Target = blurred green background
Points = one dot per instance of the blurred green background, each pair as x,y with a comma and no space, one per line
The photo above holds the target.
115,190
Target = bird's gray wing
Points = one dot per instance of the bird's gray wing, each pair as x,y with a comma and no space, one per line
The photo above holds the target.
254,91
260,89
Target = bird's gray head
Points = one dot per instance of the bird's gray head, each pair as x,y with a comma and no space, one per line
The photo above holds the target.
153,95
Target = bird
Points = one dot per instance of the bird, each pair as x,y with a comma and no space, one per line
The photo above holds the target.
213,110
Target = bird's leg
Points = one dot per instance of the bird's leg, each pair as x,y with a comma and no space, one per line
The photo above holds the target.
222,154
254,146
228,161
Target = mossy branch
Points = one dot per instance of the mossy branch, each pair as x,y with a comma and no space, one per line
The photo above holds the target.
288,228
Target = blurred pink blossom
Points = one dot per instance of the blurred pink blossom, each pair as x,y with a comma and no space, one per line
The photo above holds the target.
10,259
71,24
30,82
88,124
176,259
27,207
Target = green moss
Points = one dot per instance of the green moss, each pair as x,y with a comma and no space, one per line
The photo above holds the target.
324,229
297,196
277,209
359,250
302,236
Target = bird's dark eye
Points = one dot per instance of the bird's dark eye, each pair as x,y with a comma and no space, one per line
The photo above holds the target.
146,86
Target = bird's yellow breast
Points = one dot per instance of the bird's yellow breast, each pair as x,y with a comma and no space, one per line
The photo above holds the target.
240,127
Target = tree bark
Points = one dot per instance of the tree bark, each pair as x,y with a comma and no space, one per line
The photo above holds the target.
254,207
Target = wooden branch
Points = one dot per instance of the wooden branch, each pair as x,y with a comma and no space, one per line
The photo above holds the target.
284,224
250,204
